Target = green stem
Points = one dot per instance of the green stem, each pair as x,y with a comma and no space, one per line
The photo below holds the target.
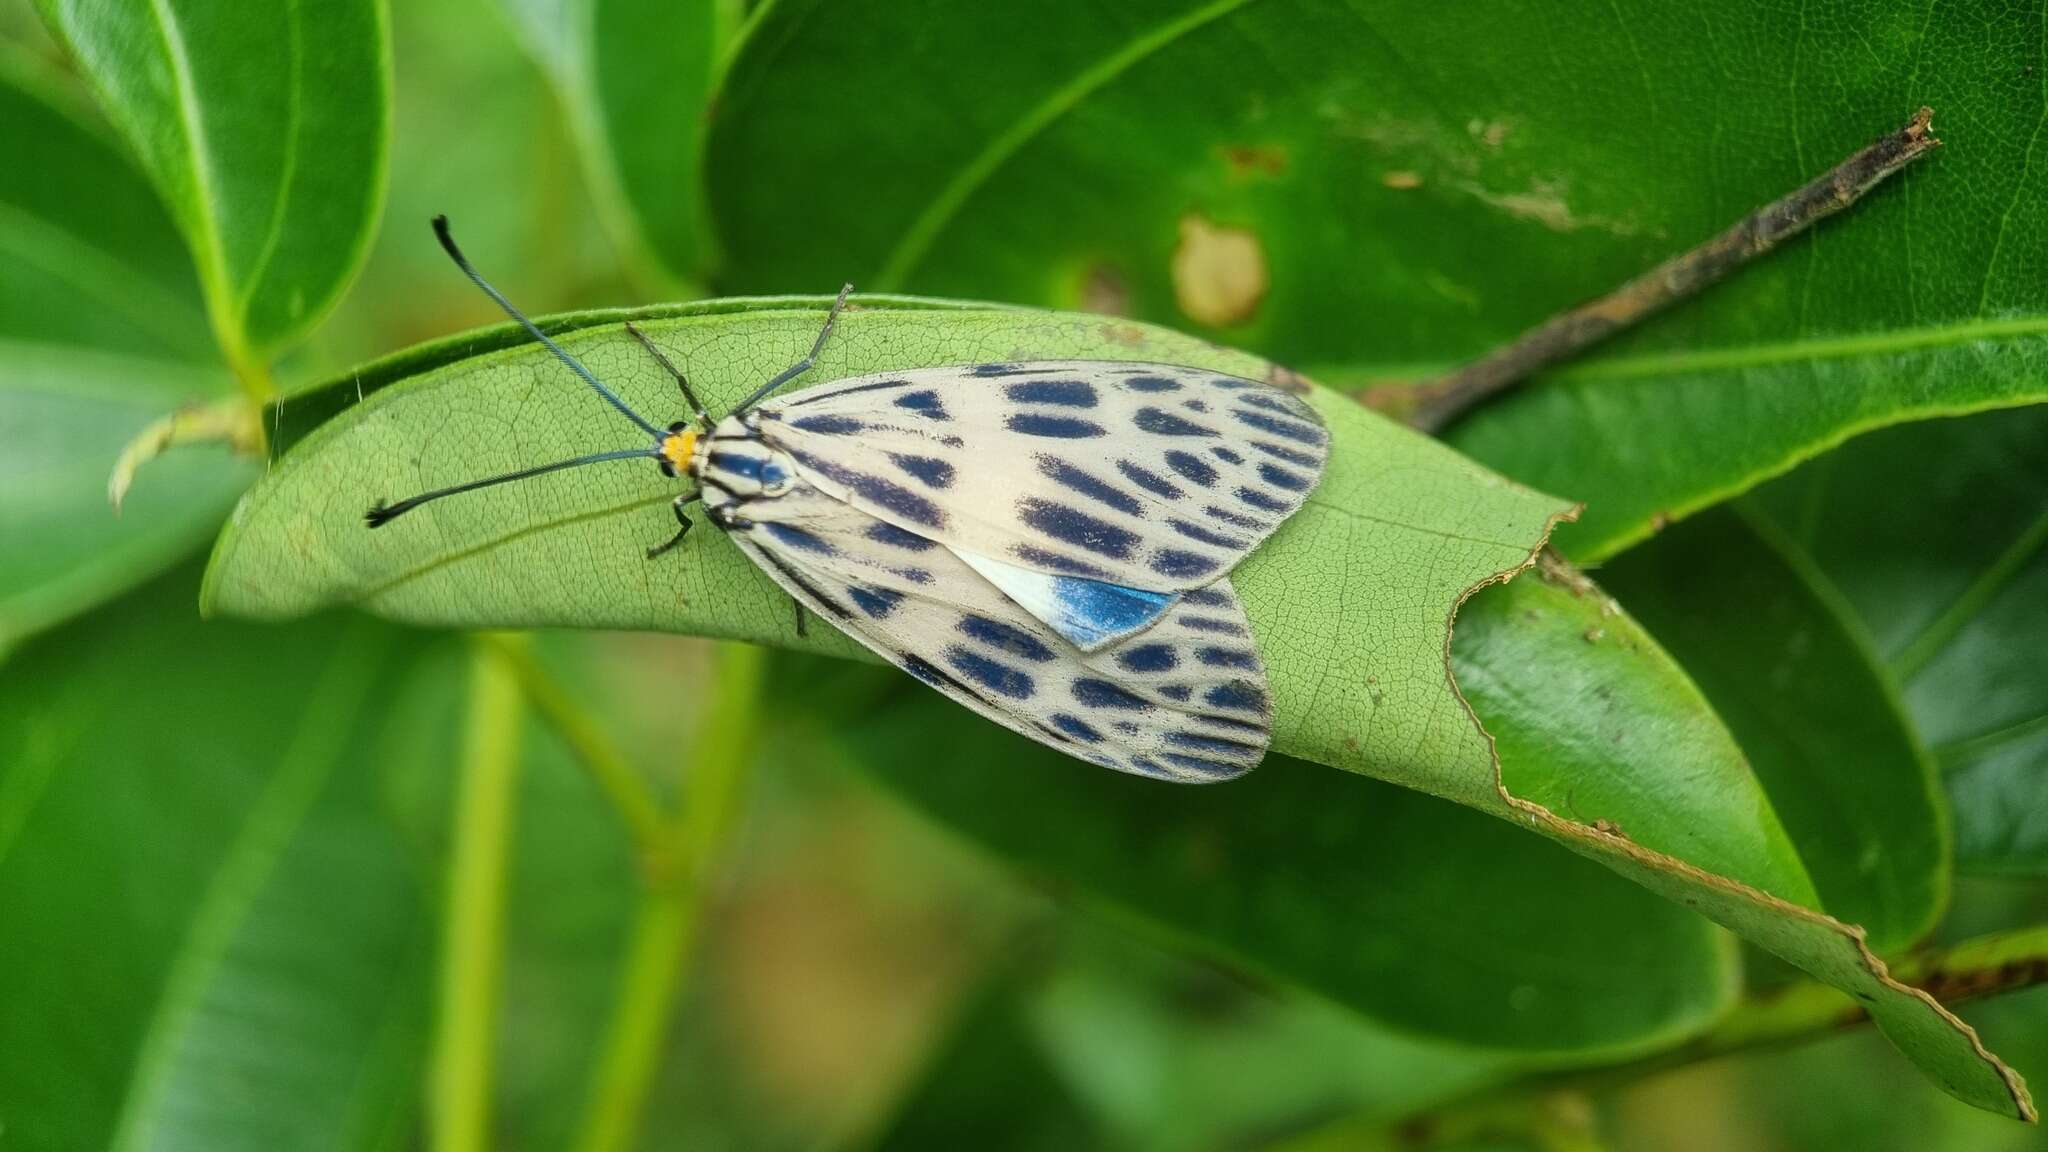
471,953
672,907
587,741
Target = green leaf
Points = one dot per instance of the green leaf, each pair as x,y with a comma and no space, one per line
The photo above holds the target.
100,334
1424,916
264,130
1937,536
1421,184
1352,599
87,256
1788,667
636,78
230,929
1175,1055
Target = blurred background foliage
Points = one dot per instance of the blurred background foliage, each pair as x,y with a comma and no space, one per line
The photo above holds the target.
351,884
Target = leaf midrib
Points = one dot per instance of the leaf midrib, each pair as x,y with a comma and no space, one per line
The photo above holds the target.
938,212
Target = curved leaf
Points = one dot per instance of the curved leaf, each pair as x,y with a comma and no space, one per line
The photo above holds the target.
101,332
1788,667
1937,536
1404,187
1352,599
264,128
636,77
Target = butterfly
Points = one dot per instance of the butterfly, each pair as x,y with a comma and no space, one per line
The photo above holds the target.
1048,543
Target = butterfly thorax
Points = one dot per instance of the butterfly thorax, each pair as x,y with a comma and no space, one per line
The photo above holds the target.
734,465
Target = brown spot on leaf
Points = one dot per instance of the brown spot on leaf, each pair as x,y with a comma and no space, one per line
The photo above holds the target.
1219,272
1402,181
1128,335
1255,159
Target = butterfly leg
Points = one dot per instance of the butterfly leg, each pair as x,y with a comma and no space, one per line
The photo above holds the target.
802,618
804,365
662,359
682,519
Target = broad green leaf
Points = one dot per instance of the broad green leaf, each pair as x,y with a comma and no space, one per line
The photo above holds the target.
100,334
1372,191
482,142
1424,916
1937,536
1173,1055
263,128
991,1086
1352,600
636,78
1789,668
87,256
229,930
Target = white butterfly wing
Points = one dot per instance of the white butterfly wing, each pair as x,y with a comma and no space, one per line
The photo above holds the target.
1146,476
1185,700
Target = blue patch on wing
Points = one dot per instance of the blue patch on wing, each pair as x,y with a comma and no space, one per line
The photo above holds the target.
1092,611
1086,612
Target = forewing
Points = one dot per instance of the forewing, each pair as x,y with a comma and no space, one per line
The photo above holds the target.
1150,476
1184,700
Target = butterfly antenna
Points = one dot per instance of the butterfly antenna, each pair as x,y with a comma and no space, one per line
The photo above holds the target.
803,365
462,262
382,513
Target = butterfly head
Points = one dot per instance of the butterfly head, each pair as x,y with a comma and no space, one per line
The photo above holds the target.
677,447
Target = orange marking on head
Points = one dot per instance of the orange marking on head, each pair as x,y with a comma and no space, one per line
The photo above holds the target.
676,448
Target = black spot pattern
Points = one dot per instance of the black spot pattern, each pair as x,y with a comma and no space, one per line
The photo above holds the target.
1226,455
1277,452
1068,476
1104,694
828,425
1285,429
883,532
1202,535
1065,393
934,472
1149,480
1149,658
1160,422
1004,638
1237,519
1075,726
1241,695
925,402
830,393
1217,657
1179,564
792,536
1054,427
1076,527
1258,499
1280,477
1214,626
1191,467
993,675
1151,384
886,494
876,602
1051,561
